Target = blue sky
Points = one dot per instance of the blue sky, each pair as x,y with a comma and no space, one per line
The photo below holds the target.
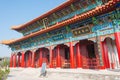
15,12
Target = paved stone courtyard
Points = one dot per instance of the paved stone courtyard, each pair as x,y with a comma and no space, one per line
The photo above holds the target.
63,74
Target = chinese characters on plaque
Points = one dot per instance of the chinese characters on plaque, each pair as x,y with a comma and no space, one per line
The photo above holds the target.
81,31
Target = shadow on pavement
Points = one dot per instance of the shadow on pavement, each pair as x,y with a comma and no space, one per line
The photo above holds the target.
10,76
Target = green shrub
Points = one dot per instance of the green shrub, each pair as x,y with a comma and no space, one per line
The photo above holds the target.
7,71
4,71
2,74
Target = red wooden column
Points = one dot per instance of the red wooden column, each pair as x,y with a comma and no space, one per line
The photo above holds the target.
117,40
33,59
14,60
104,56
29,59
40,58
51,53
11,60
58,57
18,60
23,61
79,57
72,65
107,62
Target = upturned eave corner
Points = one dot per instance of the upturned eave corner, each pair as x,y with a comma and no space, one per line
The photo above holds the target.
7,42
15,27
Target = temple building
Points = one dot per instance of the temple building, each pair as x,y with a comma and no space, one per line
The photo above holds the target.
76,34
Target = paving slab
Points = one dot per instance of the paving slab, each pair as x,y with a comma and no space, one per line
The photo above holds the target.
63,74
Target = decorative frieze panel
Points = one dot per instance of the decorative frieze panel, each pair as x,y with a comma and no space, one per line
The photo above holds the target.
65,34
89,36
29,45
58,37
102,27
